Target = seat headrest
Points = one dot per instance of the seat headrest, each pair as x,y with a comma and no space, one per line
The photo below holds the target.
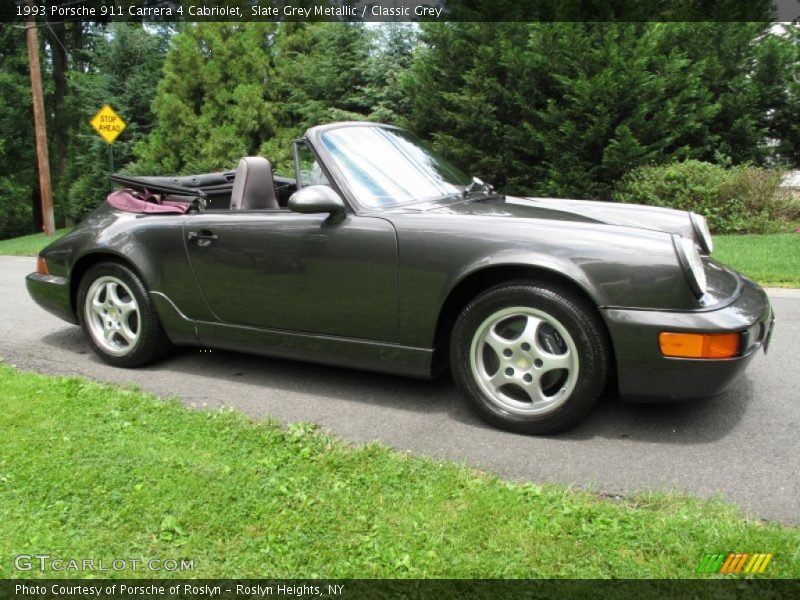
252,185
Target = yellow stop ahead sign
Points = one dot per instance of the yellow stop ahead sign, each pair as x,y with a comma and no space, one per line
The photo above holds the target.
107,123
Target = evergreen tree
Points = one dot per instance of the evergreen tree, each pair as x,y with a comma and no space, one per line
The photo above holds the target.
388,64
231,90
777,83
456,96
568,108
18,175
124,65
615,102
210,106
319,74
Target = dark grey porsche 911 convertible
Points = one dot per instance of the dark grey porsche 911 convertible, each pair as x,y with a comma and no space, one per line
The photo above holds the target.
380,255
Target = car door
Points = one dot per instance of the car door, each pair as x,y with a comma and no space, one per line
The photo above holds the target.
277,269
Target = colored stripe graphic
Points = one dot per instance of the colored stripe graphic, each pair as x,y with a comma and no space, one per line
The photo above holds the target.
728,562
734,562
737,566
710,563
754,563
764,561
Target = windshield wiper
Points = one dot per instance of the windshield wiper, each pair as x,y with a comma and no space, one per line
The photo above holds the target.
476,185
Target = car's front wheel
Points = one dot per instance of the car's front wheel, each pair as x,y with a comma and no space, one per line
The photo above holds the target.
118,317
531,358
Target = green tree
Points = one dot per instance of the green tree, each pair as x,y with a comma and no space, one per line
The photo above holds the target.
388,63
569,108
211,106
619,103
455,93
319,74
777,79
747,69
123,68
231,90
18,175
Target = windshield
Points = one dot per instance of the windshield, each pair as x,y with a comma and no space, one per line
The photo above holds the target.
389,167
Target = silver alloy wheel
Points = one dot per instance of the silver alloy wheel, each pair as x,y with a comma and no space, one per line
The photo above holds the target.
112,315
524,360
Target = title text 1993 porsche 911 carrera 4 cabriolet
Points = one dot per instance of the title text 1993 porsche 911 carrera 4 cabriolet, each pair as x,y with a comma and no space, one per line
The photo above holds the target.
380,255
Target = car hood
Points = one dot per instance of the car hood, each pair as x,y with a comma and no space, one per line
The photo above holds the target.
584,211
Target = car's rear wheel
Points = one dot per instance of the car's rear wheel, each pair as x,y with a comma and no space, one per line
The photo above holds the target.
118,317
530,358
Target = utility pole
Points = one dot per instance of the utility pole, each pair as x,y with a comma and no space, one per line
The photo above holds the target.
40,127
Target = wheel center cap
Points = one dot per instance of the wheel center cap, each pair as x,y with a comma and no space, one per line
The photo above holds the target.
523,364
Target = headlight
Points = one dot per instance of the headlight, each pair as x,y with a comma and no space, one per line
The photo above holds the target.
703,232
691,263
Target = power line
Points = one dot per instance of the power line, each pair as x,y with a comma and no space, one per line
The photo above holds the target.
55,36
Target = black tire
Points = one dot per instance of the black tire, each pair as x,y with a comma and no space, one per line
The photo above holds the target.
151,342
504,405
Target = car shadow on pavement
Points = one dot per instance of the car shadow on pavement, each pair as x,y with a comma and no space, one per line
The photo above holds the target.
417,395
685,422
352,385
692,422
69,338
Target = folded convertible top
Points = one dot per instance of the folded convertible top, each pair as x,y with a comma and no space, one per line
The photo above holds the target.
156,185
138,202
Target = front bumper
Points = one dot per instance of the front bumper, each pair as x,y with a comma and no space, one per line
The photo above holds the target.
645,375
52,293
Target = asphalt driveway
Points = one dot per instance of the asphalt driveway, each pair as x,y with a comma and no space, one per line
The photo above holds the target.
743,445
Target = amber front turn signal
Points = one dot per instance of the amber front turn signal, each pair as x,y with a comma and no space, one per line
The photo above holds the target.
41,266
699,345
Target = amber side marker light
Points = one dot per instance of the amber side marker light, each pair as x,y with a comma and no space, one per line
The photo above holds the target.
41,265
699,345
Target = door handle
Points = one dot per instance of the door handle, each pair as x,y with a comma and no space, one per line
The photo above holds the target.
203,238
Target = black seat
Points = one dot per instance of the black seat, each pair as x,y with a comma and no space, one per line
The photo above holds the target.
253,187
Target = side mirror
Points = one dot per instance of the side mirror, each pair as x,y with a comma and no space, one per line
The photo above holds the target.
316,199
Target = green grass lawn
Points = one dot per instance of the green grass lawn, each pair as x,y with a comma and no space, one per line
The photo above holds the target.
772,260
28,245
89,470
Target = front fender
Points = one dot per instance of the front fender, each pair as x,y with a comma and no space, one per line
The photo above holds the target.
615,266
558,266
